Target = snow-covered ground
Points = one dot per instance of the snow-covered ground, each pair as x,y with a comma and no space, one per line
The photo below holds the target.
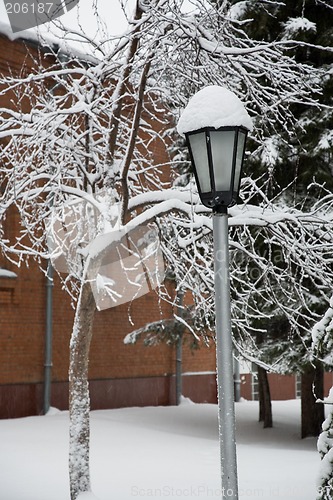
160,452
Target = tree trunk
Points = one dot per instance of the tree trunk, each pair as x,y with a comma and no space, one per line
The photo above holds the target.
79,401
312,388
265,404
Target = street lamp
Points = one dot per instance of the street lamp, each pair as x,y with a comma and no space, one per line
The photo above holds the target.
215,124
217,159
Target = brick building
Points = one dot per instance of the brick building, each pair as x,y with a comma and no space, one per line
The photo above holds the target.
120,374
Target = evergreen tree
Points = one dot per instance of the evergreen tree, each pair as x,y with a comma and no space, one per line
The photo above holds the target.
297,170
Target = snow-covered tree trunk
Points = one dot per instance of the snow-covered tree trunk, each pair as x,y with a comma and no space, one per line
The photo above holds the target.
325,449
265,403
79,401
312,388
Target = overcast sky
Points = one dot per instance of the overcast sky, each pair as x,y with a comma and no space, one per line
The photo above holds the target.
110,11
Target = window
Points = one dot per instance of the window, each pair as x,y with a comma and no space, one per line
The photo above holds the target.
8,287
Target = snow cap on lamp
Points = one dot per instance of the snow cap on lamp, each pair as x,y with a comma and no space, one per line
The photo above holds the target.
214,106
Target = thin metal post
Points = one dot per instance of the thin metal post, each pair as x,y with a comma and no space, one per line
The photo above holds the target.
237,380
48,339
224,358
179,348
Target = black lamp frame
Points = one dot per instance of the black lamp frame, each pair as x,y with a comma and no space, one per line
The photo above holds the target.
218,201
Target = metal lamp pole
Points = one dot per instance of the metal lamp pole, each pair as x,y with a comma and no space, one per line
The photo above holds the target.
216,144
224,356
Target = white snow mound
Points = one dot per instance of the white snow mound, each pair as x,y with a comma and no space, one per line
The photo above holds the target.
214,106
87,495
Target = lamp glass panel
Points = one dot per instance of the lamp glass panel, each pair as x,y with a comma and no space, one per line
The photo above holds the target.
222,147
199,152
239,158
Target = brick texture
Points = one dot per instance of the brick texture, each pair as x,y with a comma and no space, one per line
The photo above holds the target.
132,373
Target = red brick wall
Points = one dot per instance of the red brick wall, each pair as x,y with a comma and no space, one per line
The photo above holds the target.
22,324
15,55
328,382
282,386
110,357
22,330
246,386
22,320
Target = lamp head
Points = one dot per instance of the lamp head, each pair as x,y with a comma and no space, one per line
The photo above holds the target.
217,159
215,124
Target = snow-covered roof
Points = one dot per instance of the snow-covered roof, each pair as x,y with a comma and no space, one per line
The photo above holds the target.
6,30
214,106
47,39
83,31
29,34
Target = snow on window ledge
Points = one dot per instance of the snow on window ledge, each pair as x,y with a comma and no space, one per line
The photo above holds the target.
4,273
